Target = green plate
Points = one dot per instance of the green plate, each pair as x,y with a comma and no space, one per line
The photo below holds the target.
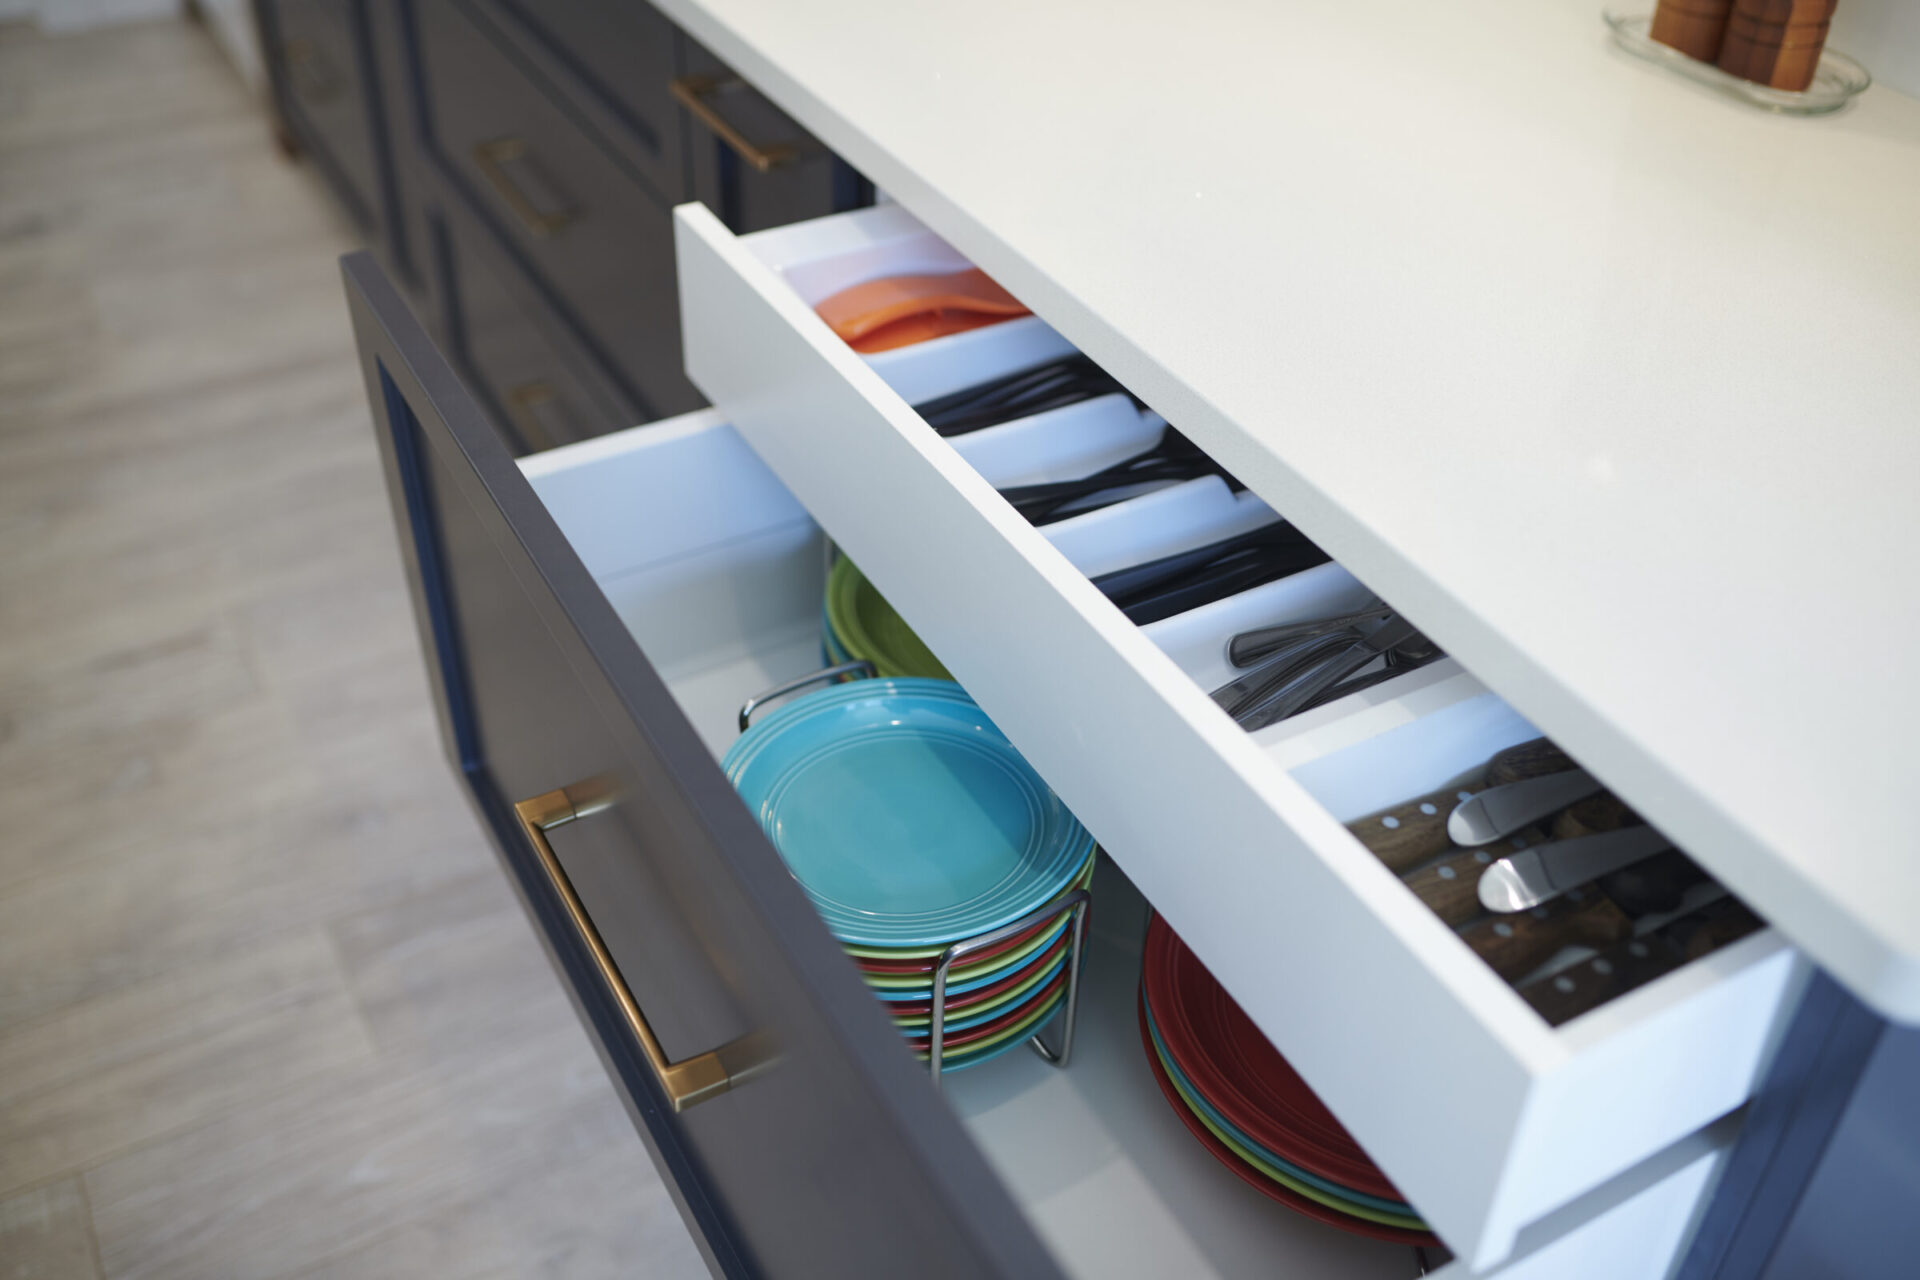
864,625
1340,1203
1018,1031
919,1022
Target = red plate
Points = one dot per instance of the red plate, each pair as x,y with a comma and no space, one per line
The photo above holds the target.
980,995
1253,1177
1234,1067
890,968
999,1022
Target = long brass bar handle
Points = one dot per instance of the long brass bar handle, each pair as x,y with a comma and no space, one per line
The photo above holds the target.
696,93
691,1080
493,157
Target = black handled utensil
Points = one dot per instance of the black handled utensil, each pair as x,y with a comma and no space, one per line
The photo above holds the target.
1250,647
1325,673
1188,579
1174,458
1019,395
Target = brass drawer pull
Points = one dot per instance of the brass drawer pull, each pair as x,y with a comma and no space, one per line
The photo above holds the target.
309,72
493,158
536,409
696,93
691,1080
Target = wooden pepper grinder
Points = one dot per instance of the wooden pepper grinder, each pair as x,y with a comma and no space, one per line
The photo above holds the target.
1694,27
1776,42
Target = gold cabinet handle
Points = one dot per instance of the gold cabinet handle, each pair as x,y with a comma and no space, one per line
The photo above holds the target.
691,1080
530,405
493,157
309,72
696,94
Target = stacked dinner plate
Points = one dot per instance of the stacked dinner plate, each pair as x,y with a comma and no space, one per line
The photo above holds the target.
1240,1099
857,622
913,824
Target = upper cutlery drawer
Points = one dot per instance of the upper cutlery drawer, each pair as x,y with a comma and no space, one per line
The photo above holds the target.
1485,1114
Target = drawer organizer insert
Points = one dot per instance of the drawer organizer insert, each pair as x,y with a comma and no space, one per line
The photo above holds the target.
1482,1111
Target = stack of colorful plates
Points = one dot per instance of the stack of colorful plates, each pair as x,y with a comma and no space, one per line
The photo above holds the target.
1241,1100
913,824
857,622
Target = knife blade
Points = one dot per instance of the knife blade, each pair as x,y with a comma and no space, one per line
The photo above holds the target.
1415,830
1533,876
1449,885
1498,812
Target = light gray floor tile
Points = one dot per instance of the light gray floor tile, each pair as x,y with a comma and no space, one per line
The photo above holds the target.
262,986
45,1234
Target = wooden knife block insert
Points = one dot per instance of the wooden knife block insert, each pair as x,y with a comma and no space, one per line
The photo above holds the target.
1567,956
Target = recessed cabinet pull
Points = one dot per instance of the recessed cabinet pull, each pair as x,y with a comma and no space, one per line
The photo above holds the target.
691,1080
494,159
696,94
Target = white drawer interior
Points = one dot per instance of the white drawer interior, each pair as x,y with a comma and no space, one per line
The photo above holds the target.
1485,1116
718,571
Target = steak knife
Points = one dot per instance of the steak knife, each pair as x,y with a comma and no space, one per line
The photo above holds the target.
1531,877
1498,812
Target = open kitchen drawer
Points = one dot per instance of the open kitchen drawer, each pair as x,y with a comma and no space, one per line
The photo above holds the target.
592,618
1484,1115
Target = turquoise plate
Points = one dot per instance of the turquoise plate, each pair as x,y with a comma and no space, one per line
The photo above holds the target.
905,813
829,642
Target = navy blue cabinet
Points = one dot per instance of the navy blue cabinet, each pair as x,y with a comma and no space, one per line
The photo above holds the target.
514,165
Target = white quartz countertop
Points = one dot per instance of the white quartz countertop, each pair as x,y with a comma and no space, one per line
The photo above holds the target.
1611,384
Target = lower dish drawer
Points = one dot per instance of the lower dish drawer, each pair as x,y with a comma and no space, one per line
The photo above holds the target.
1483,1114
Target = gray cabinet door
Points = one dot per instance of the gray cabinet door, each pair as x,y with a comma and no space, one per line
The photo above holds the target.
765,1081
579,219
318,53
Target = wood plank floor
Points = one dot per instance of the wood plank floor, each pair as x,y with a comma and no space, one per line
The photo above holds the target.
267,1007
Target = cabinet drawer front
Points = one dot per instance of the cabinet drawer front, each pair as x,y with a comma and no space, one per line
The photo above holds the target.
612,64
318,45
518,355
1483,1114
691,954
585,227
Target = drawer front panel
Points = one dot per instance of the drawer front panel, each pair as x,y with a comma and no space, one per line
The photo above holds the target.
584,226
318,45
542,390
1232,836
612,64
664,909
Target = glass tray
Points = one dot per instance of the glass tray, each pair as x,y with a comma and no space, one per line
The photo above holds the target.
1837,82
